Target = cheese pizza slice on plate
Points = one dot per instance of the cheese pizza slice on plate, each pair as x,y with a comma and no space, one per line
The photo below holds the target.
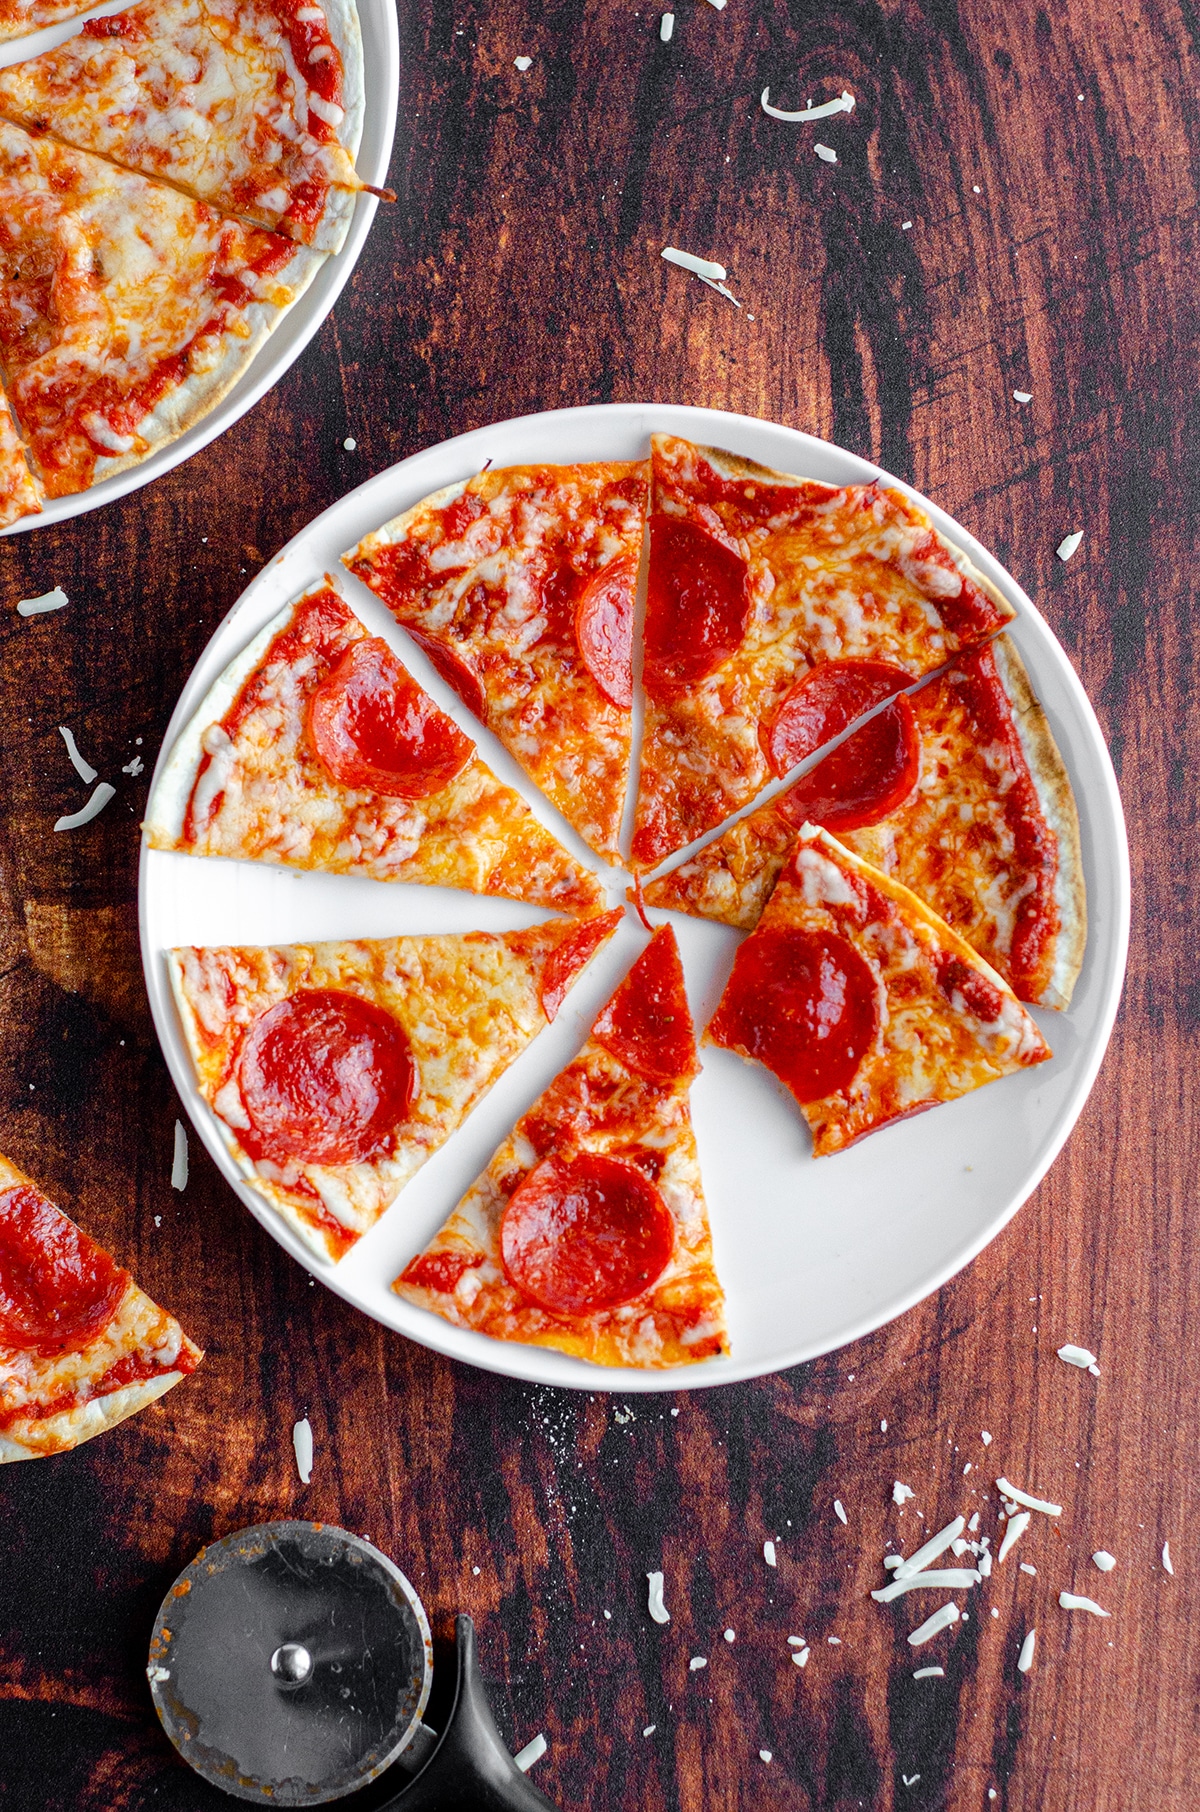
756,578
20,17
255,106
315,748
81,1347
334,1070
588,1230
958,790
519,585
20,492
864,1003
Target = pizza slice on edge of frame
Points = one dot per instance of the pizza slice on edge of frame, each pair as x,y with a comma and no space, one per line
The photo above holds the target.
81,1347
20,492
864,1003
121,356
755,578
255,106
957,790
519,585
588,1231
317,749
335,1069
19,18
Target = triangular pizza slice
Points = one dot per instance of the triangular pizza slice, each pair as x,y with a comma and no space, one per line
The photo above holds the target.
864,1003
20,492
81,1347
18,18
253,105
335,1069
316,748
519,584
588,1230
755,578
958,790
119,355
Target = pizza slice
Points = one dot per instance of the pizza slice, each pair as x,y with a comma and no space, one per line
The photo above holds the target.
958,790
18,18
255,106
756,578
126,309
315,748
334,1070
20,492
588,1230
81,1347
519,585
864,1003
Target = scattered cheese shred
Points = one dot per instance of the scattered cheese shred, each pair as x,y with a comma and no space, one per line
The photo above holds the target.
731,1635
133,767
532,1752
800,1657
302,1442
985,1437
83,768
1022,396
902,1493
49,600
985,1565
699,267
1026,1568
769,1553
179,1161
650,1729
1016,1528
666,30
523,63
929,1551
933,1626
929,1673
1166,1559
910,1780
1074,1355
1030,1503
93,809
843,104
764,1755
839,1512
826,153
1025,1658
719,4
723,291
944,1579
1066,547
156,1675
796,1641
697,1662
1104,1560
1071,1601
658,1609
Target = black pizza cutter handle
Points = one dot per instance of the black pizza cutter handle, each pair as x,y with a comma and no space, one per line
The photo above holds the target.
469,1769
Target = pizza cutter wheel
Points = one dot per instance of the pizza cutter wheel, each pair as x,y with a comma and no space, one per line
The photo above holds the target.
290,1665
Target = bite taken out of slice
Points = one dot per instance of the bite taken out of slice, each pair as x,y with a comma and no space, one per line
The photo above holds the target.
334,1070
81,1347
755,578
864,1003
317,749
588,1231
254,106
519,585
957,790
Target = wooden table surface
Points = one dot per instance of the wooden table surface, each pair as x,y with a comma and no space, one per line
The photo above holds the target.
1047,157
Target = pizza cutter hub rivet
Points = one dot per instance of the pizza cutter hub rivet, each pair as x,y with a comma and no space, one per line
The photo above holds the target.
291,1664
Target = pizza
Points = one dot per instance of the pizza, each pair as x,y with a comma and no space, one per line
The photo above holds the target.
755,578
81,1347
864,1003
315,748
335,1069
519,585
19,17
20,493
157,306
957,789
254,106
588,1230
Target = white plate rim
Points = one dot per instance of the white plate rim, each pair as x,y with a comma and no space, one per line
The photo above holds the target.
466,453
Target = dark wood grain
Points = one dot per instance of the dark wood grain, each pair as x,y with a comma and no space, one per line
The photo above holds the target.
1047,157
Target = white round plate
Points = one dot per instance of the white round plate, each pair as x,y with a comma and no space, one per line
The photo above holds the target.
812,1254
381,79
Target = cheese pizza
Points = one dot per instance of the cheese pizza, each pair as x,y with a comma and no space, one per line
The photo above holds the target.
958,790
864,1003
126,309
588,1230
81,1347
315,748
519,585
252,105
20,17
334,1070
755,578
20,493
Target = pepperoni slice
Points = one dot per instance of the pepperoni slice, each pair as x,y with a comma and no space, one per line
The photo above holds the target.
325,1077
375,729
802,1003
864,778
454,671
826,702
58,1289
585,1234
564,963
646,1025
697,606
604,629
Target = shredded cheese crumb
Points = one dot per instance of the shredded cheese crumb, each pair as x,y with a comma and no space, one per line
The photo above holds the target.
944,1579
133,767
350,443
667,27
83,768
1075,1355
156,1675
302,1442
843,104
731,1635
929,1551
929,1673
658,1609
697,1662
699,267
800,1657
1022,396
522,63
719,4
532,1752
796,1641
902,1493
910,1780
1071,1601
933,1626
826,153
1027,1568
764,1755
179,1161
49,600
650,1729
1030,1503
1166,1559
839,1512
1066,547
1104,1560
769,1553
93,808
1017,1526
834,1641
1025,1658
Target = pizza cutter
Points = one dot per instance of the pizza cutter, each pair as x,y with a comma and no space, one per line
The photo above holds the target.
290,1665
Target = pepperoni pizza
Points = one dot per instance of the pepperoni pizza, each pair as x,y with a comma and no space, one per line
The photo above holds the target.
334,1070
958,790
315,748
81,1347
588,1230
755,578
864,1003
519,585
